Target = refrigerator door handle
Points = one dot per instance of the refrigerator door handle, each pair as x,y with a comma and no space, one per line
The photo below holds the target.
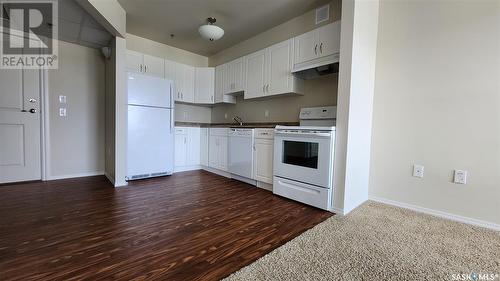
171,111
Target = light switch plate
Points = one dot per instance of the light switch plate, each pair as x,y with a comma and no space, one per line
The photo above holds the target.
266,113
62,112
460,177
418,171
62,99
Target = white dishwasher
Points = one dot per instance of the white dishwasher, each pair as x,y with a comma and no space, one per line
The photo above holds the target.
240,158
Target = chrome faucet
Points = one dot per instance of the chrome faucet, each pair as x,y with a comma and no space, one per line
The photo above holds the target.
238,119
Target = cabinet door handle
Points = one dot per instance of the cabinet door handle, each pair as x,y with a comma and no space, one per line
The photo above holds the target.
267,88
321,48
316,49
145,68
141,68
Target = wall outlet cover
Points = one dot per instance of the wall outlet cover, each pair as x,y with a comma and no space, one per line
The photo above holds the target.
62,112
266,113
62,99
418,171
460,177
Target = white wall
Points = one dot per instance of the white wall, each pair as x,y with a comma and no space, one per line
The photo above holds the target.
192,113
121,110
437,103
153,48
109,13
355,103
110,113
77,140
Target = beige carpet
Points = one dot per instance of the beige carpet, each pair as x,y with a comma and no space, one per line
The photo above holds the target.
380,242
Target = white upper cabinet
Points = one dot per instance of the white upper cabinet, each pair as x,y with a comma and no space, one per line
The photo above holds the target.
220,96
204,85
269,72
234,76
134,61
183,77
255,74
153,66
145,64
187,92
317,44
306,46
329,39
279,66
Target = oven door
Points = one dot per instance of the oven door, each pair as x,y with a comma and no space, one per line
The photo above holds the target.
304,156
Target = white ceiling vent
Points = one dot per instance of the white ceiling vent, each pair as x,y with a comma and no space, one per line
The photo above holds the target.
322,14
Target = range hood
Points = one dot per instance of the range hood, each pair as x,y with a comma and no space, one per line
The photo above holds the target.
317,68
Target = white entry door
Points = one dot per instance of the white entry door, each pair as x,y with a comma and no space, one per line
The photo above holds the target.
19,125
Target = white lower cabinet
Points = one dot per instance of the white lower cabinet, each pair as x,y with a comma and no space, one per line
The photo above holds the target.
217,148
204,146
263,155
187,148
181,150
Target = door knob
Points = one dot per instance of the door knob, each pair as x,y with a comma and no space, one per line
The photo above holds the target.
32,100
32,110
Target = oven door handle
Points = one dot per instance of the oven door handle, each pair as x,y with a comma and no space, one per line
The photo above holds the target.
302,134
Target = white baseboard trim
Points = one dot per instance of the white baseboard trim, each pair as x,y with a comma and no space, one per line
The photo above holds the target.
245,180
187,168
437,213
110,178
265,185
216,171
79,175
337,211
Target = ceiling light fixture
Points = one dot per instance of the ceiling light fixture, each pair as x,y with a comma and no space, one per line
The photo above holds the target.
210,31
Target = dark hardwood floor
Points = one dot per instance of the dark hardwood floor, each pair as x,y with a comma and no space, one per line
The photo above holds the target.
190,226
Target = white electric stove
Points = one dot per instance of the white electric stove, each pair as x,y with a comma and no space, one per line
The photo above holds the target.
303,158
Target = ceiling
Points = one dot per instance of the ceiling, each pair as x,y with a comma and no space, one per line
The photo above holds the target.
240,19
77,26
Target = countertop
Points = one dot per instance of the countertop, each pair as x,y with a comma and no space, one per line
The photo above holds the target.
234,125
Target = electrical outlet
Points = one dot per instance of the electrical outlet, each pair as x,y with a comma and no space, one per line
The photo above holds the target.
460,177
62,99
62,112
418,171
225,115
266,113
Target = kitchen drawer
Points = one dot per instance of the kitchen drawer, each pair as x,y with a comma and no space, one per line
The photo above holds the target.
309,194
264,134
219,131
181,131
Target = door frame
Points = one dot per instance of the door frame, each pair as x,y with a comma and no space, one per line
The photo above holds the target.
45,125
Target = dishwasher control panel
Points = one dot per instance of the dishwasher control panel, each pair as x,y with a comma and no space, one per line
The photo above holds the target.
241,132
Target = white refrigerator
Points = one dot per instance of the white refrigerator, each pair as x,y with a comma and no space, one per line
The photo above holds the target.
150,137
